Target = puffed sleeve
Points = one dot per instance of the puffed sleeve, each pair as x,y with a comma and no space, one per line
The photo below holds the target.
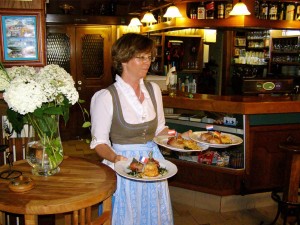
101,117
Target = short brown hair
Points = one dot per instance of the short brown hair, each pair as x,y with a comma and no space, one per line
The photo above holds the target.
127,47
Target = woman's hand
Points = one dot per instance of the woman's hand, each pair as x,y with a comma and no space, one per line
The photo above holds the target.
187,134
119,158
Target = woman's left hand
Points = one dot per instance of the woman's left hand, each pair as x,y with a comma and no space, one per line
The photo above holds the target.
187,134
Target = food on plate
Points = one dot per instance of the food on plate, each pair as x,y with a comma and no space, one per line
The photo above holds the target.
215,137
180,142
151,169
136,166
146,167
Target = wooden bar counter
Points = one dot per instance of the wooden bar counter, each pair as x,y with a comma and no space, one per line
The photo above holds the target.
246,105
265,122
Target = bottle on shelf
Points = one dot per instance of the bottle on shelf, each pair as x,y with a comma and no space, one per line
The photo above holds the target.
264,10
256,8
273,7
172,87
290,11
187,84
221,8
193,12
297,14
210,10
281,11
201,11
228,9
193,87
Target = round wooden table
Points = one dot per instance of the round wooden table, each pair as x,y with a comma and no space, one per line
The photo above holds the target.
79,185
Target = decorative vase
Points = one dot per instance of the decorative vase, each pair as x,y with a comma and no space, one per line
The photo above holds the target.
45,153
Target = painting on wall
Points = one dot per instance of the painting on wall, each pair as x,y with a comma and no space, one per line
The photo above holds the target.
21,38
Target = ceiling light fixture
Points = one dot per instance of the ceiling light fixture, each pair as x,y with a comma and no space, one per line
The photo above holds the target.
135,22
148,18
172,12
239,9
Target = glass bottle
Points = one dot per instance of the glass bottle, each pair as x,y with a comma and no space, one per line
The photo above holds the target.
193,12
297,17
187,84
281,11
201,11
228,9
193,87
221,10
290,11
210,10
256,8
273,11
264,9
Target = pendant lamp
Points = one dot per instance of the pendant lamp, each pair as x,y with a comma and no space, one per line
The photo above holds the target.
148,18
239,9
172,12
134,22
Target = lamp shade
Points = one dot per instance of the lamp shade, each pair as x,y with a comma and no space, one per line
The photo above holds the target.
172,12
134,22
148,18
239,9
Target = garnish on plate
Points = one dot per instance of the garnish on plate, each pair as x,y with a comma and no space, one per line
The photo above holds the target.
146,167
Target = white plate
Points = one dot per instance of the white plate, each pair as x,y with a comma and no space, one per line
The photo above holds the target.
162,141
235,140
121,167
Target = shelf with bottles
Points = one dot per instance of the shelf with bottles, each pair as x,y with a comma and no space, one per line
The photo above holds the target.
285,51
249,71
157,65
209,9
251,47
277,10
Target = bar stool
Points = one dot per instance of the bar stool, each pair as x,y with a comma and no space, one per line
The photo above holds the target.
288,204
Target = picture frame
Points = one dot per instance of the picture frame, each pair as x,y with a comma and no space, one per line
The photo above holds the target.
22,37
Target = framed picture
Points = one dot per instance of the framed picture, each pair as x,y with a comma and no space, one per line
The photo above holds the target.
22,37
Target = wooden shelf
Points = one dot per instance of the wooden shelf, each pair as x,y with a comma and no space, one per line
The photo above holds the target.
233,22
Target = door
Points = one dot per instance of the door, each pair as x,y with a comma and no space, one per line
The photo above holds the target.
84,51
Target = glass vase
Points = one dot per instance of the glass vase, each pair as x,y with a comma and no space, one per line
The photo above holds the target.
45,152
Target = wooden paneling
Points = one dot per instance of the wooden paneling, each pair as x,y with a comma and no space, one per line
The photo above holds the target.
267,160
19,4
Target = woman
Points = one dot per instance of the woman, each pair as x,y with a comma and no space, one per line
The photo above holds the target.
130,114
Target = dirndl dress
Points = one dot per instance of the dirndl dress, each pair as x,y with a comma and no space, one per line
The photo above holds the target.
141,202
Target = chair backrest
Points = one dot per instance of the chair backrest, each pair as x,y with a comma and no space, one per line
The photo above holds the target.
15,151
16,143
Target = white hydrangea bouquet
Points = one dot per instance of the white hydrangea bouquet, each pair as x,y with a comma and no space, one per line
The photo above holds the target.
38,98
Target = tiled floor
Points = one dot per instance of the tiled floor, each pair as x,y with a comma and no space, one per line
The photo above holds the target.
189,215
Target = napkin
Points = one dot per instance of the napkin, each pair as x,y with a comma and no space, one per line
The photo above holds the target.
171,76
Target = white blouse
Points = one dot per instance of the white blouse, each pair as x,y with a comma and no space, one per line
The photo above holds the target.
134,112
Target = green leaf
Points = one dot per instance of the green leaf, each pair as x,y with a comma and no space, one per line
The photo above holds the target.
86,124
17,120
39,112
54,110
81,101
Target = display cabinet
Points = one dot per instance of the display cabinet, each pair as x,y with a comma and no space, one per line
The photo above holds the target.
285,56
264,127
